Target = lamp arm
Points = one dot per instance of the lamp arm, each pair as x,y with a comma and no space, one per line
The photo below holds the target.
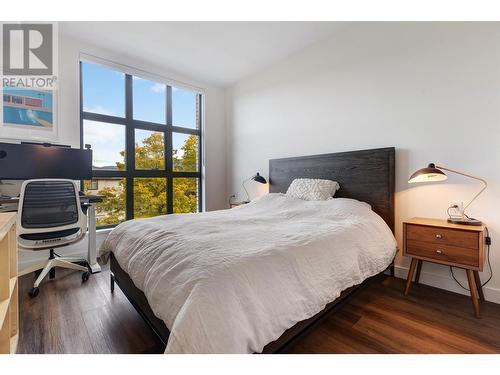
485,184
244,188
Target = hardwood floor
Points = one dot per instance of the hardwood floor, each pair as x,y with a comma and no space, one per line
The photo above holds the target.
70,317
379,319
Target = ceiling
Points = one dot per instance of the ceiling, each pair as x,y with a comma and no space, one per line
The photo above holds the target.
220,53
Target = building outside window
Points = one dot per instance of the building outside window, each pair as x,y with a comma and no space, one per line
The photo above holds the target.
93,184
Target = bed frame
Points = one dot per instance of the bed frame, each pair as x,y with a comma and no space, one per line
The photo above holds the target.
366,175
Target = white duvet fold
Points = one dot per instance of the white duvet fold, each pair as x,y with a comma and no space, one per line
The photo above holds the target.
231,281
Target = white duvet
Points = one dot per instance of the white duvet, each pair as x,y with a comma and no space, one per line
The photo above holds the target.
232,281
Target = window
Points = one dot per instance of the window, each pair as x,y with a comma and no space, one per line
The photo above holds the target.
94,184
146,141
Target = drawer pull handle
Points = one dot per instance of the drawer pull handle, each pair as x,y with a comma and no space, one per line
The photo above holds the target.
439,252
439,236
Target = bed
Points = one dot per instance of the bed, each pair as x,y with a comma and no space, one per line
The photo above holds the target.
296,262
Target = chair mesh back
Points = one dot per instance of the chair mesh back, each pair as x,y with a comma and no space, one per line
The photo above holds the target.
49,204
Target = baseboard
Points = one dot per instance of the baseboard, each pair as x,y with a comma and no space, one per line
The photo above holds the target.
447,283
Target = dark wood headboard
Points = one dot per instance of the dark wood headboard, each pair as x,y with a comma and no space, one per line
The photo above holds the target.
366,175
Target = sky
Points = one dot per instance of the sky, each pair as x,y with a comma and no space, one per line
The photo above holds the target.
104,93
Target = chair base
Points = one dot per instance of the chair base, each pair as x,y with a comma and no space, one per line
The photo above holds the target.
57,262
48,268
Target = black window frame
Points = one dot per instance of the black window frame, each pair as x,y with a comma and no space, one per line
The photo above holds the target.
131,125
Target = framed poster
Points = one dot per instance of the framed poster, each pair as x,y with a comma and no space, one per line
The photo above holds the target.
28,114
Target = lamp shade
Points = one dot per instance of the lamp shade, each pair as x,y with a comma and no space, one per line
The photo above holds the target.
428,174
259,178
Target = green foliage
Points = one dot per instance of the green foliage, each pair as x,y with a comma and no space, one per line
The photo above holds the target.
152,154
185,195
189,161
150,197
150,193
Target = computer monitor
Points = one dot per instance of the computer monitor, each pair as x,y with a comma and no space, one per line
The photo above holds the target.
27,161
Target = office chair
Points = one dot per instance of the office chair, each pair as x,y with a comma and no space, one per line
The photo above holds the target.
50,216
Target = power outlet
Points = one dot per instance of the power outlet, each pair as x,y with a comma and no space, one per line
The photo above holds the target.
456,209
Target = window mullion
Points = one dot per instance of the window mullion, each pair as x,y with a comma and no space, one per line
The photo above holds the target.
200,153
82,184
129,149
168,153
179,129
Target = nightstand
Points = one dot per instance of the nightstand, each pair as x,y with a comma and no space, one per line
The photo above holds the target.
236,204
440,242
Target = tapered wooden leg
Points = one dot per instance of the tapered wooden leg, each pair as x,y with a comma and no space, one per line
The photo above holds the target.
473,292
409,279
478,285
419,269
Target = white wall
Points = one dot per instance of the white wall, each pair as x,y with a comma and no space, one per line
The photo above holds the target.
432,90
69,122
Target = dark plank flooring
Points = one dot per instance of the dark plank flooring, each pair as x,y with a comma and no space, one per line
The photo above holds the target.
70,317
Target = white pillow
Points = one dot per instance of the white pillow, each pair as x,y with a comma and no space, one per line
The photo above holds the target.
310,189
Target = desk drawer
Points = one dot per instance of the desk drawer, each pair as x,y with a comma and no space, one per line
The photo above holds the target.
442,236
443,253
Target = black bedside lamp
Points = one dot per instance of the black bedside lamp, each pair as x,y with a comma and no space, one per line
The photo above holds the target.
434,173
257,178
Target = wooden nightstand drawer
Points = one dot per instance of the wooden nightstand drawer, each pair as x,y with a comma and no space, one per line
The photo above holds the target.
449,244
443,236
443,253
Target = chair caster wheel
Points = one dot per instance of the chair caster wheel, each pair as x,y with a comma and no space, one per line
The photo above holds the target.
33,292
85,276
